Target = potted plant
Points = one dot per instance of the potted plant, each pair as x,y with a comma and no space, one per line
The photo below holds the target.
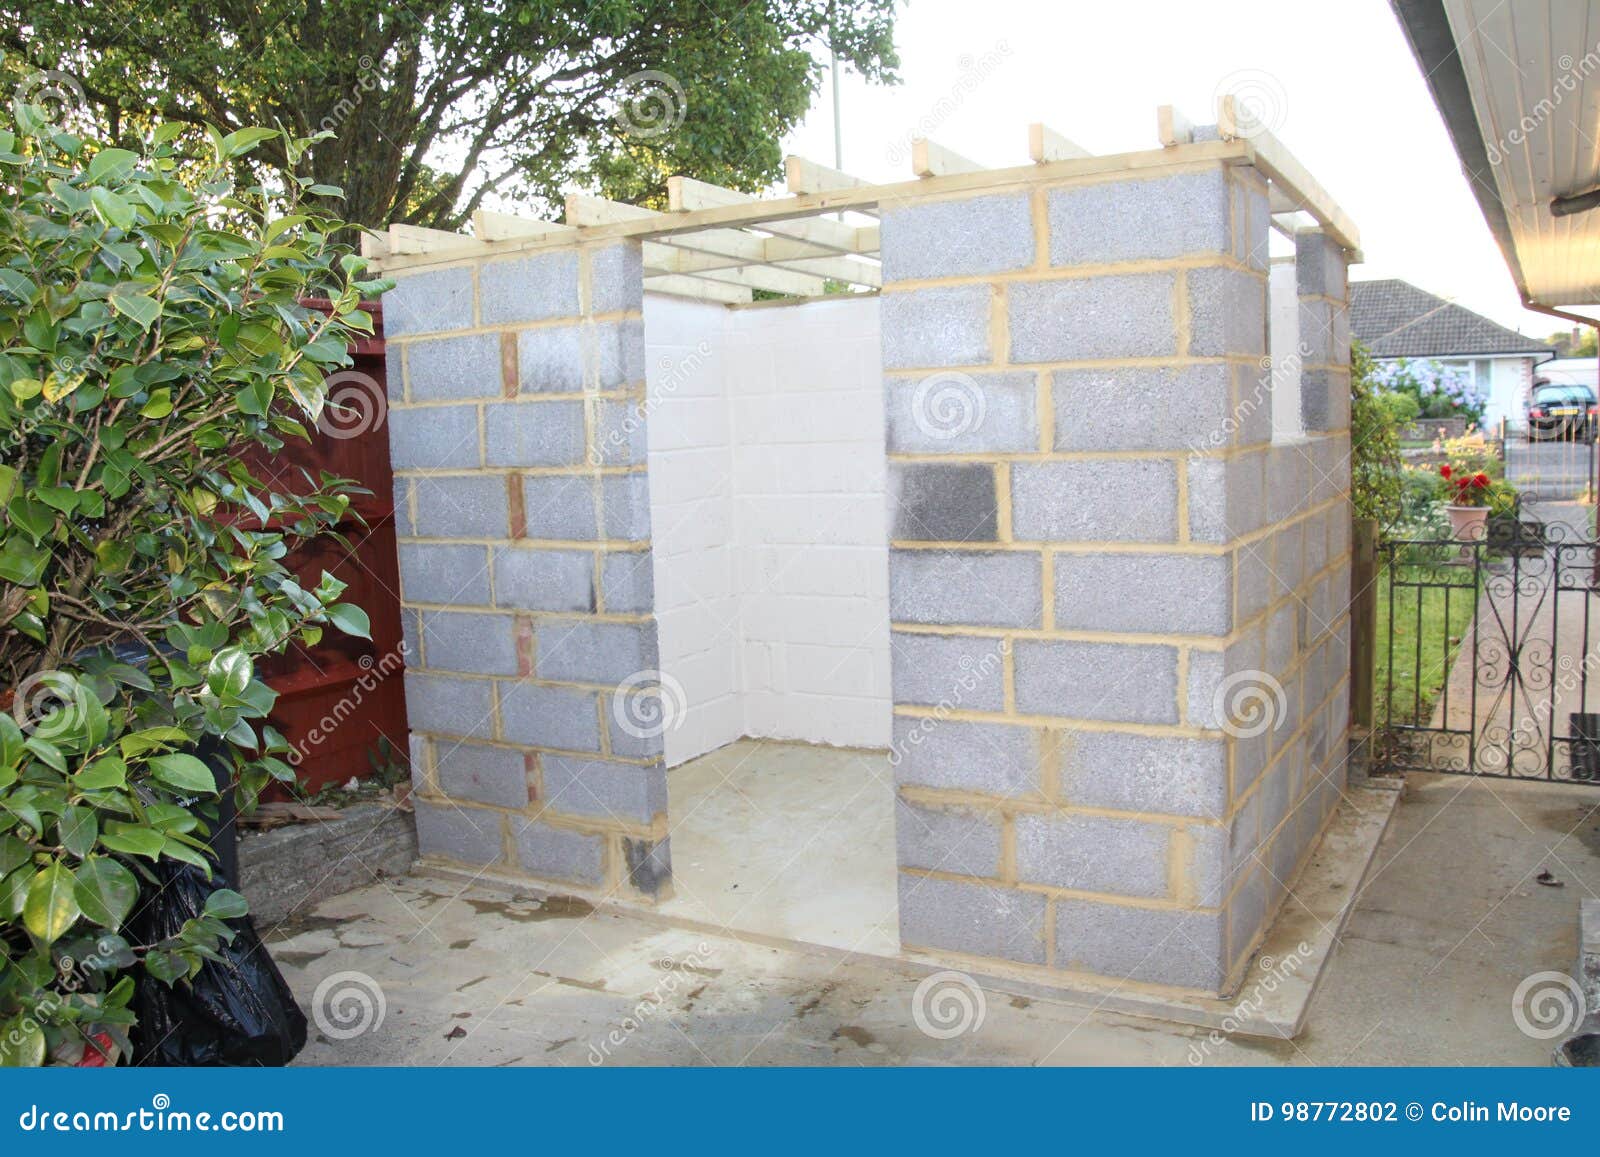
1467,502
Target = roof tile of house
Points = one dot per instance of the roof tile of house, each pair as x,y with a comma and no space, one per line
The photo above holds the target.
1395,319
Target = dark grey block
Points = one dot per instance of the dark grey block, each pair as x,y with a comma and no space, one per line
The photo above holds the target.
938,503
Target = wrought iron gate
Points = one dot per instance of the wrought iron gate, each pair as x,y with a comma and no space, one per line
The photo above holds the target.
1489,666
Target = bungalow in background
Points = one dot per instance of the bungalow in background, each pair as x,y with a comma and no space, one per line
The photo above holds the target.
1394,320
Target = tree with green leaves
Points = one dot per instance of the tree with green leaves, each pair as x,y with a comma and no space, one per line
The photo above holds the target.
436,105
153,344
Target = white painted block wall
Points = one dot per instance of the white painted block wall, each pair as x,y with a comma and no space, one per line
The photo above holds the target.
691,522
1283,335
769,520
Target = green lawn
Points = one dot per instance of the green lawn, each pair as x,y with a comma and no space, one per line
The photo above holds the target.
1418,679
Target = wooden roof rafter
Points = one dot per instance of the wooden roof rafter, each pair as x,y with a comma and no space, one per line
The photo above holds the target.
721,244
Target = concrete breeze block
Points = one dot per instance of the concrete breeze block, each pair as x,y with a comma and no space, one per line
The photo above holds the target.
1181,594
947,326
1093,854
453,369
939,503
529,288
559,854
1251,241
1141,944
954,412
466,641
564,718
1227,312
626,500
440,705
991,758
991,234
434,438
1095,501
1121,771
444,573
461,507
492,775
980,588
598,787
1124,315
428,302
957,671
1325,399
1175,216
1143,408
1320,265
559,507
551,360
1121,682
977,919
580,651
616,277
619,433
470,835
962,840
543,580
627,581
534,434
1227,497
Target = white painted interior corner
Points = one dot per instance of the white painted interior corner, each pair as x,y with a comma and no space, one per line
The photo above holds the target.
769,522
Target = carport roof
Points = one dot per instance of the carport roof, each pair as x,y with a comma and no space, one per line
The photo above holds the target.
1395,319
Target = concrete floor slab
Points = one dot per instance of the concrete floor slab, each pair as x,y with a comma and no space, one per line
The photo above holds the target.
786,841
1443,931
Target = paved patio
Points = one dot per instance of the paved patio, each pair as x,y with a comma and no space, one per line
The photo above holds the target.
1449,923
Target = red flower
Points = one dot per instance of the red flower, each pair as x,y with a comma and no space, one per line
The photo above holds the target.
1444,471
1480,480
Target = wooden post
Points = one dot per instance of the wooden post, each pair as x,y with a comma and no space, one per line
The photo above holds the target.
1363,619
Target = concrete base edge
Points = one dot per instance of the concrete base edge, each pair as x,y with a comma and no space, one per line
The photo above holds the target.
1271,1002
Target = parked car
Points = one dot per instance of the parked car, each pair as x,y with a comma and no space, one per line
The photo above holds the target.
1555,410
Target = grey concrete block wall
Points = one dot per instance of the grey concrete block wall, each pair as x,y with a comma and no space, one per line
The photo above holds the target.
517,436
1098,503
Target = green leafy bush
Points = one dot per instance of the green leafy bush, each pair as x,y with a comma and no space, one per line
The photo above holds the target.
152,346
1375,466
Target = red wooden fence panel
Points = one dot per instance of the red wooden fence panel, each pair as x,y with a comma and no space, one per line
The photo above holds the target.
337,700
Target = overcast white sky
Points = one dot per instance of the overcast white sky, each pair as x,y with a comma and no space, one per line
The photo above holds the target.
1342,88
